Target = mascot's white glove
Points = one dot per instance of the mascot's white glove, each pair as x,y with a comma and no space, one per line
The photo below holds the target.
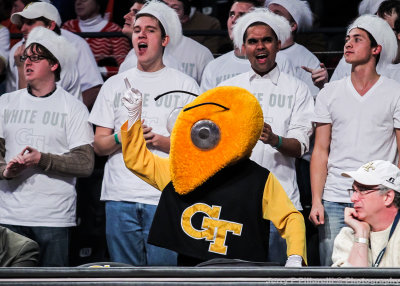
294,261
132,100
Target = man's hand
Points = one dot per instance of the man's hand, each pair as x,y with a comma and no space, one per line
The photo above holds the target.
317,216
13,169
268,137
29,157
361,228
17,55
132,100
154,140
319,76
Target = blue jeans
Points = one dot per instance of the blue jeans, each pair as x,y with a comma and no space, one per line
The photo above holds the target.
334,221
127,228
53,243
277,251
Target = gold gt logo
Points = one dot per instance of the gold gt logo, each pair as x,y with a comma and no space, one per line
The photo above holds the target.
212,229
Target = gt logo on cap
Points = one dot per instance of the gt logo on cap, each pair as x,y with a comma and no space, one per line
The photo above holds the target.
369,166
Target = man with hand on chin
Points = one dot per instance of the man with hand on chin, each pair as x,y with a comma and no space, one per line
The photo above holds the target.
372,237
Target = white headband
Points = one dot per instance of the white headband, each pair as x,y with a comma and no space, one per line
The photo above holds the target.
382,33
299,10
369,7
59,46
167,17
277,23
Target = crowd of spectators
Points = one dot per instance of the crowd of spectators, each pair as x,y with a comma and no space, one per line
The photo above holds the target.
61,114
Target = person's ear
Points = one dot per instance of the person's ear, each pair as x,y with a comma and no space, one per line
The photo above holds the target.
52,25
165,41
293,26
377,50
53,67
389,198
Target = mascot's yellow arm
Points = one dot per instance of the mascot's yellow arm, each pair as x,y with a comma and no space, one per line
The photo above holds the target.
151,168
277,206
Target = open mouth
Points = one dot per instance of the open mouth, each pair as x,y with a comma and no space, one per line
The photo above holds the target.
142,47
261,57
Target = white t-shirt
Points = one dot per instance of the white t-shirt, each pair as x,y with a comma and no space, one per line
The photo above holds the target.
343,69
300,56
69,77
192,57
54,124
4,43
228,65
288,106
131,61
120,184
345,239
362,129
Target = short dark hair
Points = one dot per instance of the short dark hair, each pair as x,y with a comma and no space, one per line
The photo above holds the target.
256,24
388,7
47,23
374,43
36,48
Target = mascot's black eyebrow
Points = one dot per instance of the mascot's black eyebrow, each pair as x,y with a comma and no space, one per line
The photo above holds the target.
206,103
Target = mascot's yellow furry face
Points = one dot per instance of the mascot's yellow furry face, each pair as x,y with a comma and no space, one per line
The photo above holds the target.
220,127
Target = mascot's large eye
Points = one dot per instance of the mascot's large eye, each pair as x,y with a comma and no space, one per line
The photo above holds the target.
205,134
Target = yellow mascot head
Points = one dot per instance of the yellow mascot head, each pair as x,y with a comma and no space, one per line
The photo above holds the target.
219,128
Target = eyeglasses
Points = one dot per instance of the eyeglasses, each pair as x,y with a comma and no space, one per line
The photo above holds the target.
361,192
33,58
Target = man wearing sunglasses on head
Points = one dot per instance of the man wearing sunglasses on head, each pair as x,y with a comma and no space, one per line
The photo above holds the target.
372,238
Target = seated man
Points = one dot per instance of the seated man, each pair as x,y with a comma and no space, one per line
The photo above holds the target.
17,250
372,238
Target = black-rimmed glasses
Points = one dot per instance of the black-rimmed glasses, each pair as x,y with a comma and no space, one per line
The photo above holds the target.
33,58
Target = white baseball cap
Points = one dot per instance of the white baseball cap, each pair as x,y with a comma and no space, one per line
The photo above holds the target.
36,10
377,172
369,7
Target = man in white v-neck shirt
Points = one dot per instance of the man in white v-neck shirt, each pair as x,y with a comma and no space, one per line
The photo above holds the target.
357,121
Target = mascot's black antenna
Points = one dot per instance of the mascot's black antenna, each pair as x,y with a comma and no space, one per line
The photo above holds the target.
174,91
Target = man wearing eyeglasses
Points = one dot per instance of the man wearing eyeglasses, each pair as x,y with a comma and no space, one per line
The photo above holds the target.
357,120
45,143
372,237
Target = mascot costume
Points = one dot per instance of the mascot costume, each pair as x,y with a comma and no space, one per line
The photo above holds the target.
215,201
